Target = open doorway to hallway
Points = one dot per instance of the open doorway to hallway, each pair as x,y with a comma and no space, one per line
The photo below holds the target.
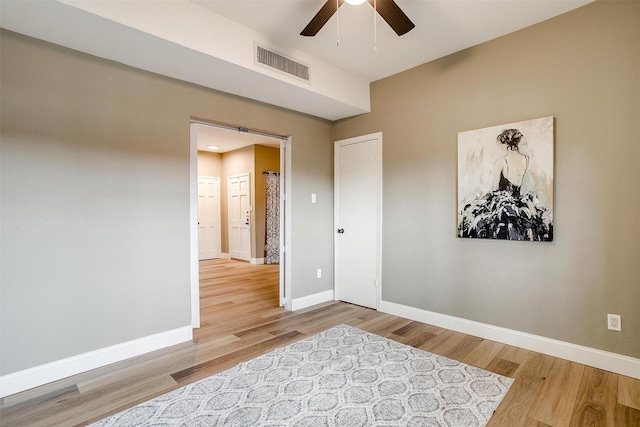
248,229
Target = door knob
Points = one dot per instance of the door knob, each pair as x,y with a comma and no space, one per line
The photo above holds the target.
340,230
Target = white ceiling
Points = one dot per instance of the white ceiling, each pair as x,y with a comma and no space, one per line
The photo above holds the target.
229,139
211,42
442,27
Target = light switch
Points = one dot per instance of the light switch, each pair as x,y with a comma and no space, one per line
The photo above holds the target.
313,197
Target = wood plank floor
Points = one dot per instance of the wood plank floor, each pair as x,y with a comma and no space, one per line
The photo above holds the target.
241,319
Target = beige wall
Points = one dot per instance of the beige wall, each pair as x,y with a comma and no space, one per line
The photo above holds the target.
209,164
266,159
235,162
584,69
95,199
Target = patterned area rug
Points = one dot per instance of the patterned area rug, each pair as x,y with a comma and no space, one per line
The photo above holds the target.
340,377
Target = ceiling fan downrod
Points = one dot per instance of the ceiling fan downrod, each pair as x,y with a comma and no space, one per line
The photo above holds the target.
375,25
337,22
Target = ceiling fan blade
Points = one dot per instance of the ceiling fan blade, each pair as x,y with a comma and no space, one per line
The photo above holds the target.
324,14
394,16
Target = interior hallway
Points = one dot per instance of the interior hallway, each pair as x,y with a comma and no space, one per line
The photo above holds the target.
241,320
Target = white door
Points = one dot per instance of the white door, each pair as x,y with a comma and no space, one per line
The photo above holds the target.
239,187
208,217
358,183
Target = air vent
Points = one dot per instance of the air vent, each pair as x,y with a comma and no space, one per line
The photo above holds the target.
281,63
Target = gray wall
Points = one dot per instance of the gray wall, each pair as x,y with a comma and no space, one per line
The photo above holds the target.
583,68
94,174
95,199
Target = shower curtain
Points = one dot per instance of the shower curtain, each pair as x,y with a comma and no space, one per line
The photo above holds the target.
272,242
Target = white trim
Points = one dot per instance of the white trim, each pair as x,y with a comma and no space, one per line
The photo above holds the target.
256,261
225,255
601,359
43,374
194,268
309,300
286,248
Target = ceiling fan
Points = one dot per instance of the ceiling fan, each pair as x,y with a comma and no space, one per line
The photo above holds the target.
387,9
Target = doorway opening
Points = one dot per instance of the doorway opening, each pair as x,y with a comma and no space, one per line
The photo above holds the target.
227,152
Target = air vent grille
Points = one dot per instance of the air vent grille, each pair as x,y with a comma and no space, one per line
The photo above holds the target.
281,63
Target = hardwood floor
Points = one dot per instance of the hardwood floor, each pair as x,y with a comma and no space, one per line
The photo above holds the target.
241,319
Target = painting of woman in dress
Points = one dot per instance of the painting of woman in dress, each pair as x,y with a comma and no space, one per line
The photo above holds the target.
505,181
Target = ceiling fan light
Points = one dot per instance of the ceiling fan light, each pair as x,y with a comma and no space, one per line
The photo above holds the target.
355,2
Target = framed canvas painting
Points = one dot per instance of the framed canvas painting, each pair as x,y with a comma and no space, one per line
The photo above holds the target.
505,181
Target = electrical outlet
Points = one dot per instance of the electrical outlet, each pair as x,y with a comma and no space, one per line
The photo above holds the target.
319,273
614,322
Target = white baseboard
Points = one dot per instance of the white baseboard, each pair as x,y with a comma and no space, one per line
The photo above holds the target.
256,261
601,359
225,256
308,301
43,374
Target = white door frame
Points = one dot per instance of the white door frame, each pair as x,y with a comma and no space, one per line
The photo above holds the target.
285,223
336,192
285,232
194,266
